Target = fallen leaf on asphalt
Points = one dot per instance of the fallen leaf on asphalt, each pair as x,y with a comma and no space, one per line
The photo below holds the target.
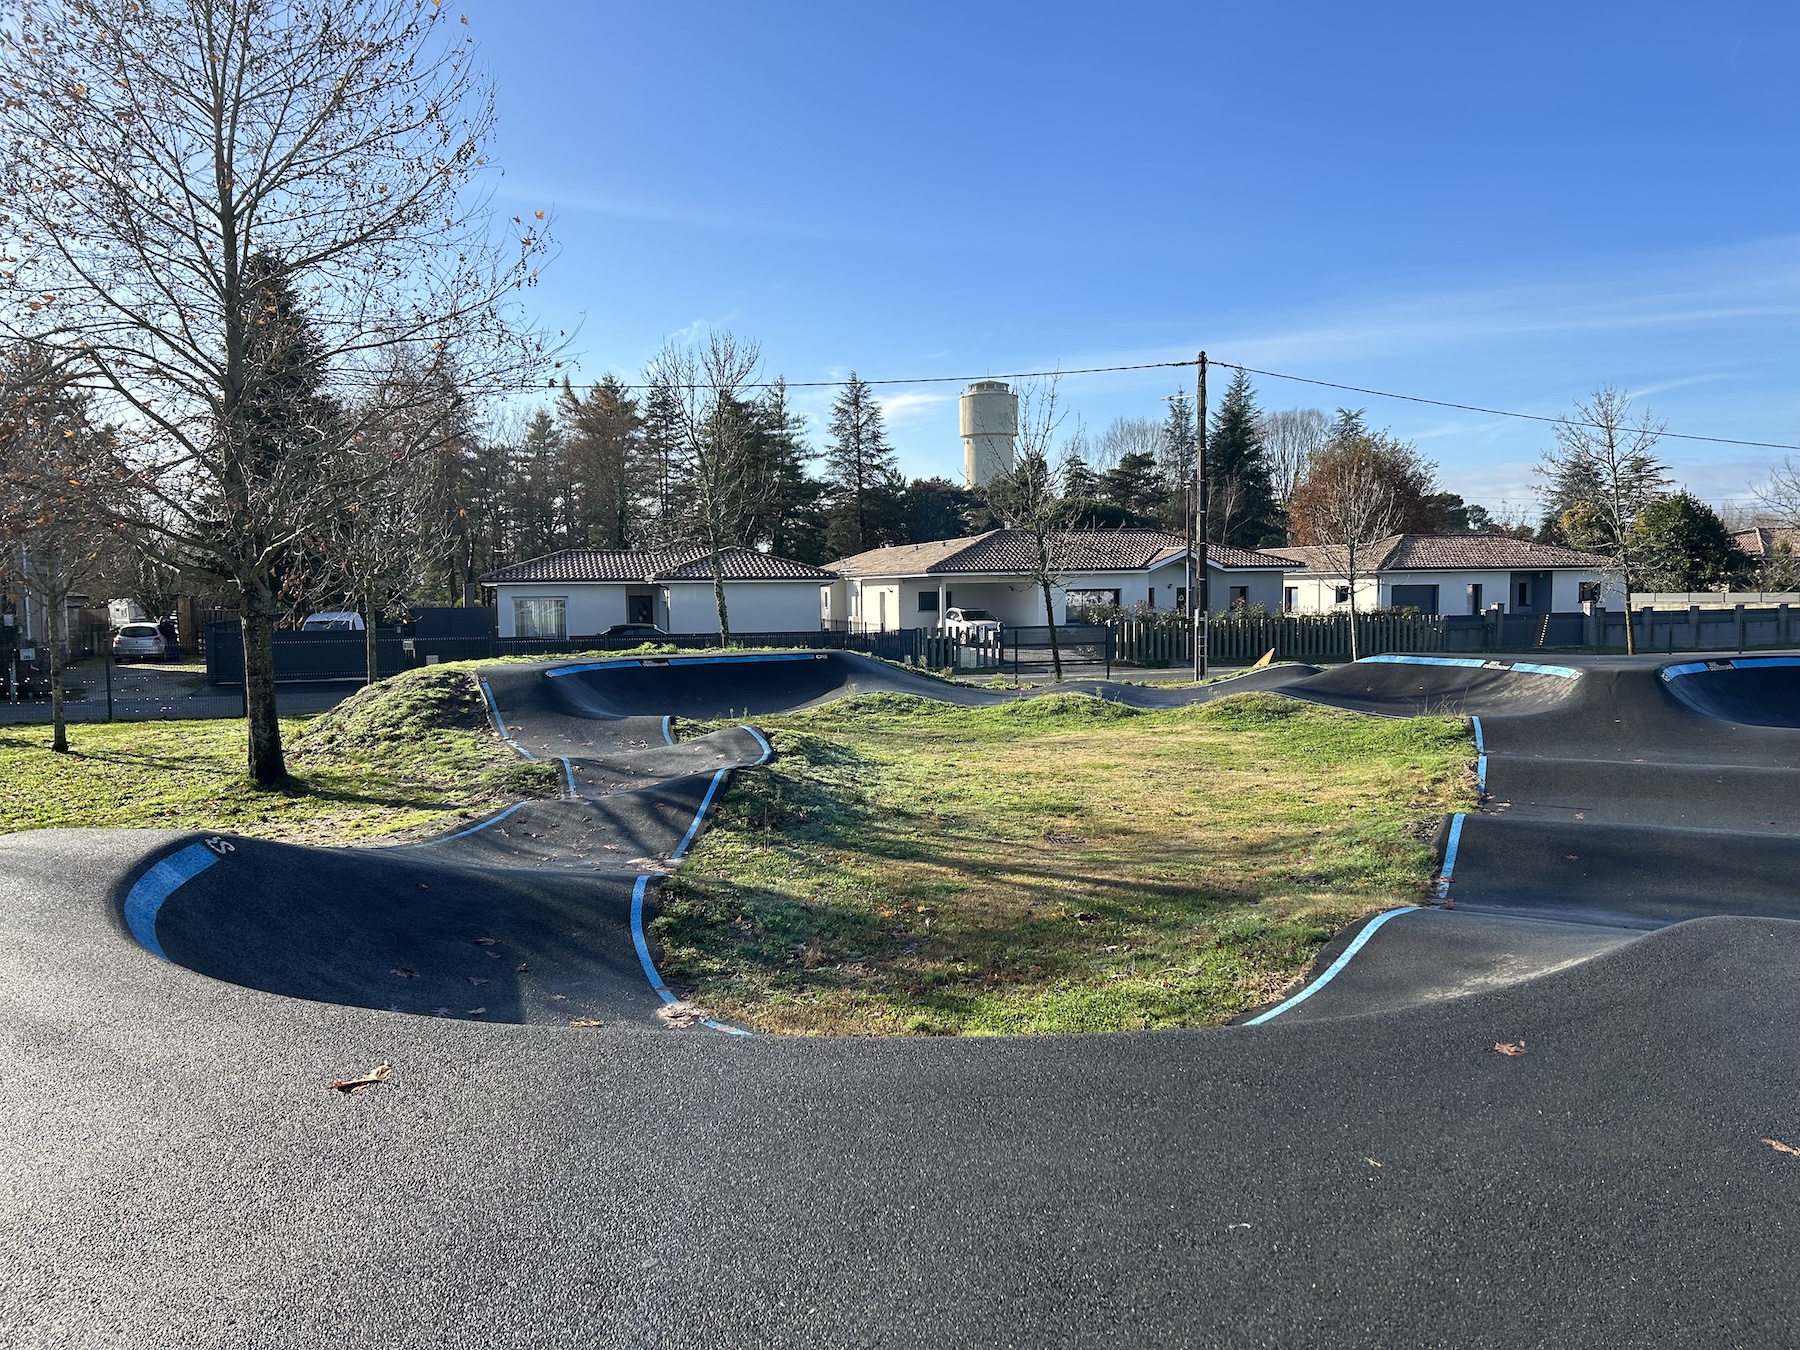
522,967
1780,1147
681,1014
485,942
423,886
477,983
585,1022
404,972
1371,1162
1510,1047
1571,857
379,1074
559,997
476,1012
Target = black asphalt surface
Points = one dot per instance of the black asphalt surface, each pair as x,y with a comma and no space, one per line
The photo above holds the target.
1363,1169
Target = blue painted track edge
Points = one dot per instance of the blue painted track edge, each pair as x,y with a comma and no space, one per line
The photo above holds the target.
148,894
1331,973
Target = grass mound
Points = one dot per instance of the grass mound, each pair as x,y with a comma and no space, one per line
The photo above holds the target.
1056,864
407,708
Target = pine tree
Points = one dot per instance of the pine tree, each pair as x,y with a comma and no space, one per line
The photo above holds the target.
599,449
791,524
862,474
537,489
1176,457
662,475
1136,485
1241,508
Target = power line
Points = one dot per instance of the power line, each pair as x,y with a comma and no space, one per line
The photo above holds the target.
1228,365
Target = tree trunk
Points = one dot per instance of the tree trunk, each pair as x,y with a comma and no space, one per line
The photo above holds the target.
369,651
1050,621
1354,655
719,598
59,632
266,763
1630,621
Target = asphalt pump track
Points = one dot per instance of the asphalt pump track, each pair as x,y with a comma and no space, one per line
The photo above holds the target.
1356,1167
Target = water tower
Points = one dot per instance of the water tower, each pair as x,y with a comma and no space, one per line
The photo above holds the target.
990,424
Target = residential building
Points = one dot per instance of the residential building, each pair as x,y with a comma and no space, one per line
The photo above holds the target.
913,585
1450,574
581,592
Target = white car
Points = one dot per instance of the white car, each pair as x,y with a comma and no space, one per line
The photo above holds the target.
139,642
332,621
971,625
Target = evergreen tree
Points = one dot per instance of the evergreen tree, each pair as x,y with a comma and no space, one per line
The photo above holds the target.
1683,545
1136,485
1241,508
599,451
790,520
1079,481
863,477
936,508
537,489
663,476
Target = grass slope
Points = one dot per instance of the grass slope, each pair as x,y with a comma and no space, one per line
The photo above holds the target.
1060,864
410,755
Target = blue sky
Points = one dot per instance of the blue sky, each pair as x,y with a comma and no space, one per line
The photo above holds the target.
1498,205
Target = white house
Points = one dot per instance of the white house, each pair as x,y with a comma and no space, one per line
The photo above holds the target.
912,585
1450,574
581,592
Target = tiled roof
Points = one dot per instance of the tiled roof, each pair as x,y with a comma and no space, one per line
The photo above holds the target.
1450,552
1014,551
675,562
1760,541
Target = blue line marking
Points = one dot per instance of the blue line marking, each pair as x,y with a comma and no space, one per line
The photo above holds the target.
643,950
669,728
1474,663
700,815
1443,885
569,774
1480,747
1355,946
500,722
157,885
768,750
473,829
1731,663
1481,775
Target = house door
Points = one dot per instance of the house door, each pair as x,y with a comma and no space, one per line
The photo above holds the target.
640,607
1530,593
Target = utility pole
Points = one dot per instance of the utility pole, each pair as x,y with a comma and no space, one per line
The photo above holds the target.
1197,527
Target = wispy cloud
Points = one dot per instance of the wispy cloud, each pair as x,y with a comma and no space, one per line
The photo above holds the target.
910,407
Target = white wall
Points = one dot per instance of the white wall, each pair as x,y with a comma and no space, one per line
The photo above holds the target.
751,606
588,607
1317,595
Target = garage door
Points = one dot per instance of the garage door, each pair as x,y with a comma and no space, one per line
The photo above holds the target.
1422,598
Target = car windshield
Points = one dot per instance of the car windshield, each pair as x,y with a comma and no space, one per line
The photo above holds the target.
978,614
139,630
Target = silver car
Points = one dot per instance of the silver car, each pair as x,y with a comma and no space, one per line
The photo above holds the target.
139,642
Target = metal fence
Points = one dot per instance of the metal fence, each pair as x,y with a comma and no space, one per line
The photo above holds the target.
1235,638
334,655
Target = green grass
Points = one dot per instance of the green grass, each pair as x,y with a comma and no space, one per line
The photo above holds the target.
1060,864
409,756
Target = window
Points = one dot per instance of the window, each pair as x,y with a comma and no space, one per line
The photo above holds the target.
1474,597
1290,598
540,617
1240,597
1076,603
1589,591
1152,600
1343,595
928,602
1181,599
1524,595
881,605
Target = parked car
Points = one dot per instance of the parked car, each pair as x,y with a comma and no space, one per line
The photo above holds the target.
139,642
332,621
971,625
645,632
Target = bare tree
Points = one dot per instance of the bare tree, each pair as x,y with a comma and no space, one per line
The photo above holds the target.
389,535
1026,499
1347,503
1127,436
705,389
233,209
1291,437
1602,475
1780,496
51,499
